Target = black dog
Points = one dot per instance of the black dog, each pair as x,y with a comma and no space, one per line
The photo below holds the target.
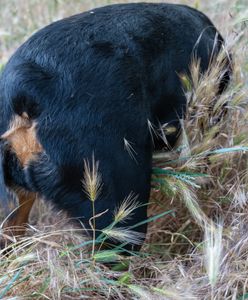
95,83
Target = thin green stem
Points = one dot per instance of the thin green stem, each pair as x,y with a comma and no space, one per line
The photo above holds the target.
93,230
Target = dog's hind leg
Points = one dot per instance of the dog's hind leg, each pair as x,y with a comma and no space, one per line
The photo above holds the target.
15,224
15,203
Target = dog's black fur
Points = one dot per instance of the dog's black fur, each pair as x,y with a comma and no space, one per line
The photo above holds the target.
91,82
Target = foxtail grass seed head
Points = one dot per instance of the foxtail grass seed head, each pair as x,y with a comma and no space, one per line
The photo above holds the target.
92,181
129,147
190,200
123,234
213,251
152,130
126,209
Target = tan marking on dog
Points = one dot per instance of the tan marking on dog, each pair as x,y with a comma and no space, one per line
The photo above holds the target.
22,138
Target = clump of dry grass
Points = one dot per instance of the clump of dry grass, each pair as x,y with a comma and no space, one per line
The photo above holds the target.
211,166
197,246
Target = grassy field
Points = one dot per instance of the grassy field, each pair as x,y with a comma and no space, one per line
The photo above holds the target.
197,242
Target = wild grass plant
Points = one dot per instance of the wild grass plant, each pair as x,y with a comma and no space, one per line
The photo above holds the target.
197,241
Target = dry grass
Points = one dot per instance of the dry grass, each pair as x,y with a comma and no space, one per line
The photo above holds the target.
198,248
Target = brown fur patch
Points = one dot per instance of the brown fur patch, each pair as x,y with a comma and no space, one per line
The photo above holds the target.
21,136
